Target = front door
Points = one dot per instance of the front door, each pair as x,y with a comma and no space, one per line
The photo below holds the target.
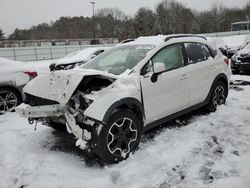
170,93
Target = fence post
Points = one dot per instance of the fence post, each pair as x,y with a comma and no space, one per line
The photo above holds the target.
66,50
51,55
36,53
14,53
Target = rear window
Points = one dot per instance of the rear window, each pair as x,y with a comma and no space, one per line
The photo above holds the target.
197,52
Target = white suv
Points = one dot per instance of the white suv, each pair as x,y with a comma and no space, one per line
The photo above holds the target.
109,102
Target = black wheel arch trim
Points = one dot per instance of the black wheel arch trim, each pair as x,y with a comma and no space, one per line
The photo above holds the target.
221,76
125,101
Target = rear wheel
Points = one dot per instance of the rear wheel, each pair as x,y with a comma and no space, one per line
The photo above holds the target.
218,97
119,137
9,100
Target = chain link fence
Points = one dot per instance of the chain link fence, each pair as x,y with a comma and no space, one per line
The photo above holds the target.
41,53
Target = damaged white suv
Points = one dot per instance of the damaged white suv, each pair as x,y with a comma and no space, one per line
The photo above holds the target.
109,102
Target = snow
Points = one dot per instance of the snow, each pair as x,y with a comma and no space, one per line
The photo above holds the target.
197,150
245,50
236,41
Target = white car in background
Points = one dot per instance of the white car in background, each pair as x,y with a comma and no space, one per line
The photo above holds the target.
108,102
13,77
235,43
77,58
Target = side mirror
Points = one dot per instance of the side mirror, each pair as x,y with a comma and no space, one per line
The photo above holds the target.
159,68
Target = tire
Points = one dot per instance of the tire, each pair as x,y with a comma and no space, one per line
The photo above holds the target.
218,96
9,99
119,137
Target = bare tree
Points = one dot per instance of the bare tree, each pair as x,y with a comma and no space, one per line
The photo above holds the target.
144,22
1,34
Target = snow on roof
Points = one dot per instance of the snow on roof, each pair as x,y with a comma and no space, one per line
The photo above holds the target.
245,50
154,40
159,39
236,41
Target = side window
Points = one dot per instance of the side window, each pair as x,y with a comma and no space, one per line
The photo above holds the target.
197,52
171,56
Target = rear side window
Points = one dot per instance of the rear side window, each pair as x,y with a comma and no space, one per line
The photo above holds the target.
197,52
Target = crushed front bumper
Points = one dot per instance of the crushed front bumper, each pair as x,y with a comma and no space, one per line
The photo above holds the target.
27,111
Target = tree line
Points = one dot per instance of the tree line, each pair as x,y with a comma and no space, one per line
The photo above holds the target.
168,17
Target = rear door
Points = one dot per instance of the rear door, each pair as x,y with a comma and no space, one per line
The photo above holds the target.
202,71
170,93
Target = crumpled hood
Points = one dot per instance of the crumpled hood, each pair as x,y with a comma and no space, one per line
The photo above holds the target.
60,85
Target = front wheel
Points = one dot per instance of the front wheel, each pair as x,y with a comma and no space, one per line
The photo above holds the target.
119,137
218,97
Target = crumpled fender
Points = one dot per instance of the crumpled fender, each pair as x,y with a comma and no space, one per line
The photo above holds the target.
124,87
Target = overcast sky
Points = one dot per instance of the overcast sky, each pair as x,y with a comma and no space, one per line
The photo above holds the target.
25,13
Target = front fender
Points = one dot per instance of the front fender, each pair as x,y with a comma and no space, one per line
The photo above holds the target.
121,92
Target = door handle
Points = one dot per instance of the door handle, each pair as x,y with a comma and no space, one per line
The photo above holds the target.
184,76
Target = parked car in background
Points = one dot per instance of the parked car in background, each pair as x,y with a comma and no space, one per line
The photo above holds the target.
13,77
235,43
240,62
108,102
77,58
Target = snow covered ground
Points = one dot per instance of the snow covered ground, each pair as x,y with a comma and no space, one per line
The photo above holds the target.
197,150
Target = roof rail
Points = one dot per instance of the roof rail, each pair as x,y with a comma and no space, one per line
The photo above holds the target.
182,36
127,41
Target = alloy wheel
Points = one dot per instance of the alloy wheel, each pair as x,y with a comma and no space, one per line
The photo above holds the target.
219,96
122,136
8,101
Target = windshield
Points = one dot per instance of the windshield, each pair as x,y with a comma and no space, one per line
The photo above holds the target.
118,59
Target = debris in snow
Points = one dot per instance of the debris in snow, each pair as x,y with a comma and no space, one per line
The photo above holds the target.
35,128
86,135
215,139
235,153
82,144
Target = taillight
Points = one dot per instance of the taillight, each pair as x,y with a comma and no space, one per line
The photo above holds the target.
226,60
31,74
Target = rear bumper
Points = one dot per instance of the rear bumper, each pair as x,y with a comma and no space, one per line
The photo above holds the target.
28,111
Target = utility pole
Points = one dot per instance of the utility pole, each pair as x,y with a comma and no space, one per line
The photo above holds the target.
93,7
